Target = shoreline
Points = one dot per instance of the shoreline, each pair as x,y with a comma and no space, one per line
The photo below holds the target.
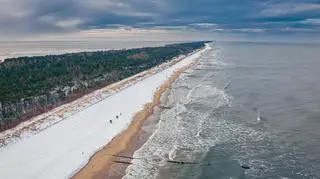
100,164
63,147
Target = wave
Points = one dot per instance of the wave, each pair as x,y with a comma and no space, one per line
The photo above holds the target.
177,136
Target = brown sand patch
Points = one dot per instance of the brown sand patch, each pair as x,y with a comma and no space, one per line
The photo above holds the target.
101,162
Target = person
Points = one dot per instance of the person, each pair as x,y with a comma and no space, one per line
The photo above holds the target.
111,121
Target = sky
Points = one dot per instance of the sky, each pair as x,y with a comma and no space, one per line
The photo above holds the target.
292,20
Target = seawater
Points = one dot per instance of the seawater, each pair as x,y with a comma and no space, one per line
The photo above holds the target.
253,104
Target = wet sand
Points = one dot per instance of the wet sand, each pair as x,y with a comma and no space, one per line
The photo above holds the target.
101,165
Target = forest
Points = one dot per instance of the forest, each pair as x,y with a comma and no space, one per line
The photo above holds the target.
30,86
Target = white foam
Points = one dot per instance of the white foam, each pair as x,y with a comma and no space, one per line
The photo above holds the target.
176,133
188,130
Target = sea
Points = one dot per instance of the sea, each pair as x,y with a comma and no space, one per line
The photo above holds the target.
246,111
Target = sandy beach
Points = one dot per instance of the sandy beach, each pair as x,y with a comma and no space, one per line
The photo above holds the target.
100,163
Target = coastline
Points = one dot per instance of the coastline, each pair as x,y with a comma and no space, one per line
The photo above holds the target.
100,164
63,147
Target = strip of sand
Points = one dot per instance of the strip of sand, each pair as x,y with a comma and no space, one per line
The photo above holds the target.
100,163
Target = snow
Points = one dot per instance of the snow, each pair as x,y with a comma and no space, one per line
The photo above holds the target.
45,120
60,150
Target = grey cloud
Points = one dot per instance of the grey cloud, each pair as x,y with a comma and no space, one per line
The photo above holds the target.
24,17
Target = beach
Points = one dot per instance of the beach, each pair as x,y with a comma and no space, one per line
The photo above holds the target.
61,149
100,163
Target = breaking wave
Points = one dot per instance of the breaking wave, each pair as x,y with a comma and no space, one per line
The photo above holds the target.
192,125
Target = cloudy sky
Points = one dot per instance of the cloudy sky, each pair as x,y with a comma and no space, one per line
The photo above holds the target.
149,19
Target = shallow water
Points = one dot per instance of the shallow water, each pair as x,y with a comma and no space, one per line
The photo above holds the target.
245,104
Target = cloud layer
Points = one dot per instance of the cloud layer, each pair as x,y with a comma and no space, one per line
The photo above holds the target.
31,17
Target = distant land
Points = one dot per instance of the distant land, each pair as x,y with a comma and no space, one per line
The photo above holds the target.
14,49
30,86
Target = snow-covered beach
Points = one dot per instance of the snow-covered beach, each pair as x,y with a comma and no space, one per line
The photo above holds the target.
62,148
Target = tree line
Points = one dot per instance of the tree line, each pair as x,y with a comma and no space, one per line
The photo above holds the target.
30,86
